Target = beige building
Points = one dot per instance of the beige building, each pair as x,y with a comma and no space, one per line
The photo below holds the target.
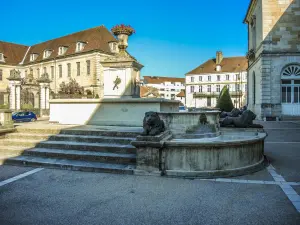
93,57
274,57
204,83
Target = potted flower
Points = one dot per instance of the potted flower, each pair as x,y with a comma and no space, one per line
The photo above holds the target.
122,32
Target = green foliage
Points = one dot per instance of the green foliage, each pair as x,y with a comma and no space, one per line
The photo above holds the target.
26,106
4,106
224,102
97,96
71,88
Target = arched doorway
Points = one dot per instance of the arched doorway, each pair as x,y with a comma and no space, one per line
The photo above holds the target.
290,90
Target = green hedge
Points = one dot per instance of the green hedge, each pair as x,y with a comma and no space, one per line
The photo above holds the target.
224,102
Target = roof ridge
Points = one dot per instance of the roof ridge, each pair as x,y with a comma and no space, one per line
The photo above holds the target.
67,35
15,43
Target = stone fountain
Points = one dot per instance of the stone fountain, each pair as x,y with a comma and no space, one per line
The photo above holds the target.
193,145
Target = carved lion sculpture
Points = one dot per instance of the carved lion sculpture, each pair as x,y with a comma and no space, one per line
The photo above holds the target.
152,124
234,113
243,121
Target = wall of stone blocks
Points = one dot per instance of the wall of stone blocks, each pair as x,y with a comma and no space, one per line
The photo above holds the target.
281,24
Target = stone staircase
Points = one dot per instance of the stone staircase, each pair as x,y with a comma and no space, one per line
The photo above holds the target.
93,149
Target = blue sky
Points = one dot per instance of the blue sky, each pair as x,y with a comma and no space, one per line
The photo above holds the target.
171,37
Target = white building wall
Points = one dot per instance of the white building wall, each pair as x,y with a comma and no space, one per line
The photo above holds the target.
203,80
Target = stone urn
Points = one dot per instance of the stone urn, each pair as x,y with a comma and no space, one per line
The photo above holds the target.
122,32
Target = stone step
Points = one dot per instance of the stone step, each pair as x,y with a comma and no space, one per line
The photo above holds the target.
28,136
91,139
290,118
37,130
70,164
104,157
19,142
84,146
99,132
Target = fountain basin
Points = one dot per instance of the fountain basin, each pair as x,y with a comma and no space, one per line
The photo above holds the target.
222,156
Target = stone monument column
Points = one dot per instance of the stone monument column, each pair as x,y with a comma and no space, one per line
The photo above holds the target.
44,82
15,90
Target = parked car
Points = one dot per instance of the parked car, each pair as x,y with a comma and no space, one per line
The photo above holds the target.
183,109
24,117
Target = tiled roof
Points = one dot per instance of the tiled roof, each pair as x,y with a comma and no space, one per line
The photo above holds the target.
231,64
13,53
97,38
181,94
143,91
159,80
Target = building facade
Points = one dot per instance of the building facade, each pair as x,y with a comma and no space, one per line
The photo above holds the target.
204,83
35,74
168,87
274,57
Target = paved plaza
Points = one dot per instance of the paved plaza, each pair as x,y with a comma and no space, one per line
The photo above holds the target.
49,196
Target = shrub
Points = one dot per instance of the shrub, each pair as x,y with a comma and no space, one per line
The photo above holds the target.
224,102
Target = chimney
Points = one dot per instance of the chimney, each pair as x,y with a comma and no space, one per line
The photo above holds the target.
219,57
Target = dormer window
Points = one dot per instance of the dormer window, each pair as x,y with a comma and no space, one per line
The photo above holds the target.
33,57
47,53
62,50
218,68
1,57
79,46
113,47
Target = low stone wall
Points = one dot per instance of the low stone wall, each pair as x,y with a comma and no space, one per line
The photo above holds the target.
107,112
6,119
224,156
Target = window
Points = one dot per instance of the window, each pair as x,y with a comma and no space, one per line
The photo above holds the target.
218,78
60,71
192,79
208,101
200,78
192,89
1,74
162,95
44,70
69,69
1,57
209,78
227,77
52,72
237,87
172,89
33,56
62,50
38,72
200,88
47,53
88,67
78,68
162,89
237,77
172,96
79,46
218,88
208,88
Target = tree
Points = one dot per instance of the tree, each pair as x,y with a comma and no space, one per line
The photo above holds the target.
224,102
71,88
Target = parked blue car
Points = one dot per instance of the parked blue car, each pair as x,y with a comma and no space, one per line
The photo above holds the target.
24,117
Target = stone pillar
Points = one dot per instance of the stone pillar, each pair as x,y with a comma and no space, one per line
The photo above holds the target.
15,89
18,96
44,82
12,95
47,97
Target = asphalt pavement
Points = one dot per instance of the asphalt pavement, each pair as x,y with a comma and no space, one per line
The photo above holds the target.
50,197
